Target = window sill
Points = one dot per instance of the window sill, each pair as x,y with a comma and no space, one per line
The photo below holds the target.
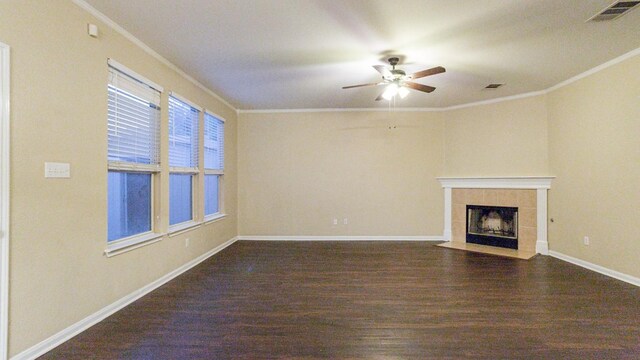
183,227
131,243
214,217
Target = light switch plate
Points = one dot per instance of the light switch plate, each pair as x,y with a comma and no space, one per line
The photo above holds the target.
57,170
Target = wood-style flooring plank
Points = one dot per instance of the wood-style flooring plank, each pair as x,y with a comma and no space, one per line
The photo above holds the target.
371,300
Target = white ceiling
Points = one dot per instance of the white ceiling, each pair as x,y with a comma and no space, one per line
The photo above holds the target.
297,54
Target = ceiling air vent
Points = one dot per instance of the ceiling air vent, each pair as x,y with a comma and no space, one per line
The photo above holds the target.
614,11
493,86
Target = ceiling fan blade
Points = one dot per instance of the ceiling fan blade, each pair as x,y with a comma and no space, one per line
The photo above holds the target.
379,97
383,70
419,87
428,72
361,85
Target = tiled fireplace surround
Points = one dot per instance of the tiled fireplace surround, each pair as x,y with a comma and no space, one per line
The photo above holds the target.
528,194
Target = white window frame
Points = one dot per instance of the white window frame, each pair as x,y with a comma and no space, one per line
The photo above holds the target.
221,213
122,245
179,228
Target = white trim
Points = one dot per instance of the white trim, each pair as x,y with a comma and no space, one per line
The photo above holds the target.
386,109
447,235
186,101
211,218
183,227
133,242
127,166
339,238
540,183
594,70
597,268
112,24
213,172
73,330
211,113
561,84
116,65
93,11
497,100
4,193
507,182
183,170
542,244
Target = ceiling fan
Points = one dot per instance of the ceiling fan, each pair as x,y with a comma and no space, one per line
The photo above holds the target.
398,82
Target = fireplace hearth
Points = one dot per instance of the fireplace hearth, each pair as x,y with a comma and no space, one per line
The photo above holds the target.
492,225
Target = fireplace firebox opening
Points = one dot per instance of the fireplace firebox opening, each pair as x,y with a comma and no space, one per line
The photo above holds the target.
492,225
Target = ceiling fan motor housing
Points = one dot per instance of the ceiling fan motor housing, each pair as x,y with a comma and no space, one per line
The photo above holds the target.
398,73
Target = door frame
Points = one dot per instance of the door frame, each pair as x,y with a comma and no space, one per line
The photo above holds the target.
4,203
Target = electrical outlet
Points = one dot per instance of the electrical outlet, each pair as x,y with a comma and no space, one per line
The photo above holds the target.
335,221
585,240
345,221
186,242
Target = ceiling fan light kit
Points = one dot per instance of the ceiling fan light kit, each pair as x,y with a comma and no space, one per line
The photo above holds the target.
398,82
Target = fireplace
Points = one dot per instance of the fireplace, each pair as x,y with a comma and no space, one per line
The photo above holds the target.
527,193
492,225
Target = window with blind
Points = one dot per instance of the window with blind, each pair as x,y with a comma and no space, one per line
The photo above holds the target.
133,118
213,163
183,158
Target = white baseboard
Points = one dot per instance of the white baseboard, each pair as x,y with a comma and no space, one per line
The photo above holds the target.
597,268
542,247
340,238
73,330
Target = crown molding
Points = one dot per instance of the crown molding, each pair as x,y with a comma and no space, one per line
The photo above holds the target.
93,11
317,110
493,101
594,70
564,83
112,24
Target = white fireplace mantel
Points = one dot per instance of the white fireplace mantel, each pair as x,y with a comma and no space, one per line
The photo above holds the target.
540,183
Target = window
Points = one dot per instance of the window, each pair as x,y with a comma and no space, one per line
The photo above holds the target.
183,159
213,163
133,118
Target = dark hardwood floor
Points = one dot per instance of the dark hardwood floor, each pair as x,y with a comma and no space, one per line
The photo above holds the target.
371,300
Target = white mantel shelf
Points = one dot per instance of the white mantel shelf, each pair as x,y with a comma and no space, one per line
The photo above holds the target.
540,183
511,182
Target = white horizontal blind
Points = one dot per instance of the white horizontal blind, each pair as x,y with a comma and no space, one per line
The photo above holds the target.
133,121
213,143
183,134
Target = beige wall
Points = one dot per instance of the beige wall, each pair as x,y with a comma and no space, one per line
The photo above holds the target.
298,171
59,274
585,133
594,138
508,138
318,166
